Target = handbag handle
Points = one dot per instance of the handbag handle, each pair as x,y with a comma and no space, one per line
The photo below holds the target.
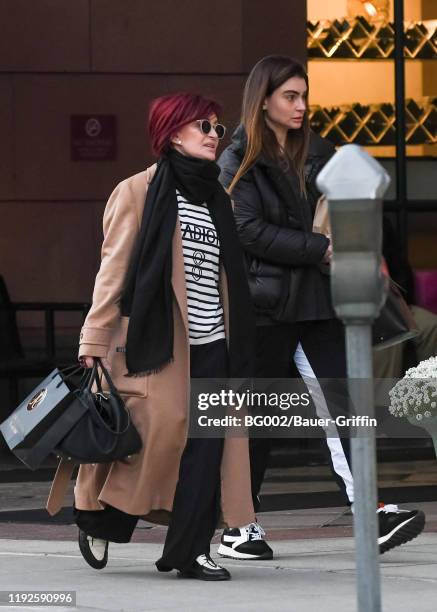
75,368
115,414
115,392
105,372
95,378
93,375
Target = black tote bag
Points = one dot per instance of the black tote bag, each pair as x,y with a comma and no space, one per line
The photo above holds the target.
395,323
105,432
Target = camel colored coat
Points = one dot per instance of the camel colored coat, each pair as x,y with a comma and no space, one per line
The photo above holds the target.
144,484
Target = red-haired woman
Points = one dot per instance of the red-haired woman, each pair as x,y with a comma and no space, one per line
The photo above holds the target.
170,301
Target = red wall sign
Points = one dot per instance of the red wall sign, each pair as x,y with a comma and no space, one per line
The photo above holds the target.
93,137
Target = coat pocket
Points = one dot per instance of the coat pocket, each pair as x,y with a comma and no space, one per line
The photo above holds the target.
126,385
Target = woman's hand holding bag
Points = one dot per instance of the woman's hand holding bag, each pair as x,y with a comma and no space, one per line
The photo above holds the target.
86,361
105,433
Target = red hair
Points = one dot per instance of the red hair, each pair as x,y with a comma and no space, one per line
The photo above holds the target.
169,113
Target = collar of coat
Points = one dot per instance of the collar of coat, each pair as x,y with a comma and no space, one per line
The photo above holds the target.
320,150
150,173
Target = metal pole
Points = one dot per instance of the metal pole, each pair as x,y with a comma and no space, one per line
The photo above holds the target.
359,361
401,164
354,184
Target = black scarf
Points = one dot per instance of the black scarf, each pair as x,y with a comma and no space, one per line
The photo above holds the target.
148,296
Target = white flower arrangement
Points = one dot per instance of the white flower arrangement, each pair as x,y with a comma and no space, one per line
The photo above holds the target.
415,395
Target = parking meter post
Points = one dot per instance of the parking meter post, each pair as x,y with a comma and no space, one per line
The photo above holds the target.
358,347
354,183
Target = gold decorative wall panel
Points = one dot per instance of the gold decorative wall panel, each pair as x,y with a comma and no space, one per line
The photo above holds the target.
358,38
374,124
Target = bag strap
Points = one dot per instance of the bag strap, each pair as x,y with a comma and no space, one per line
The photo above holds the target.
105,373
120,402
75,369
84,378
59,486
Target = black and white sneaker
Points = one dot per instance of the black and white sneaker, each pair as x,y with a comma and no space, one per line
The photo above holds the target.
94,551
397,526
204,568
245,543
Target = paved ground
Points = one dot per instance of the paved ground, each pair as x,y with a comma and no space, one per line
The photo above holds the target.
313,569
306,575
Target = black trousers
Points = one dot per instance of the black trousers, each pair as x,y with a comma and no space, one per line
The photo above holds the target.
324,345
196,505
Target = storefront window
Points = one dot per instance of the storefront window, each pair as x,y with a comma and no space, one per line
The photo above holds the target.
350,52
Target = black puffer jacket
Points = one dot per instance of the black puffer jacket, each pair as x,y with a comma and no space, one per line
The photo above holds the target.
282,251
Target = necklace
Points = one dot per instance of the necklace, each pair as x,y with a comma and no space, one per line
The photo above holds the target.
284,164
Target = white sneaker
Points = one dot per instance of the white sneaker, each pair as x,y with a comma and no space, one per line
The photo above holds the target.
245,542
398,526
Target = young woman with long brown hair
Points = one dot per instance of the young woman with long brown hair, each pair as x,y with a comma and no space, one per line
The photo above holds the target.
270,170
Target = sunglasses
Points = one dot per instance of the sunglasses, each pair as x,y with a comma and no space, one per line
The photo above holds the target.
206,126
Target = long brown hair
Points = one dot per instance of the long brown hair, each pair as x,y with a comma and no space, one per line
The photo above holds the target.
266,76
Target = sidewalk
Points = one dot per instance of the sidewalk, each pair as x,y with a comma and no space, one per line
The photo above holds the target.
313,569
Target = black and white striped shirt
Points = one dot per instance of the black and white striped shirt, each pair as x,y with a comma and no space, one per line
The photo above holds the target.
201,248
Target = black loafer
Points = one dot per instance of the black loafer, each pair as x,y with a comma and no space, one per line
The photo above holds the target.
204,568
94,551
